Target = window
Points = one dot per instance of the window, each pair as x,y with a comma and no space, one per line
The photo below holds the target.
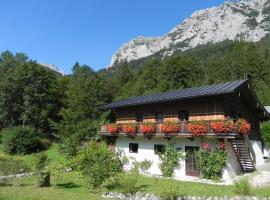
133,147
159,117
159,148
139,117
183,115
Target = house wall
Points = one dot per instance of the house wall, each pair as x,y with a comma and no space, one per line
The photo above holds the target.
209,108
146,151
257,147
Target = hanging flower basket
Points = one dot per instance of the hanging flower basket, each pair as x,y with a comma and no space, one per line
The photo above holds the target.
113,129
129,129
148,129
198,128
170,128
222,126
242,126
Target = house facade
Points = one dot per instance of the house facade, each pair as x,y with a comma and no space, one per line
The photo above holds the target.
203,105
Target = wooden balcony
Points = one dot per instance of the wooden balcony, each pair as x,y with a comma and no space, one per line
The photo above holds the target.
184,133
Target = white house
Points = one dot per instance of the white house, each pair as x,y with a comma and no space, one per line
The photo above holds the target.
207,104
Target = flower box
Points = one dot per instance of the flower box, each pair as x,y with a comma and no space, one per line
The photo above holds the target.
148,128
170,128
129,129
222,126
113,129
198,128
242,126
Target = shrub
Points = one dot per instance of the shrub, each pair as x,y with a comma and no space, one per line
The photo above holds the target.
97,164
12,166
128,182
42,175
148,128
145,165
198,128
265,130
211,162
129,129
222,126
112,128
170,127
242,186
21,140
242,126
169,192
169,160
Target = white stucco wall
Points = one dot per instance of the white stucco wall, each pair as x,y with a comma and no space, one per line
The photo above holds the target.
146,151
257,147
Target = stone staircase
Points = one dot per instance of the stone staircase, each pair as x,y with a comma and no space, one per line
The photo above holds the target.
243,155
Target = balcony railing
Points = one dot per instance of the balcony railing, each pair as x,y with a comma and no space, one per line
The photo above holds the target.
184,131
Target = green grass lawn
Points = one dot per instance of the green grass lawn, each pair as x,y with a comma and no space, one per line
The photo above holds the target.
72,187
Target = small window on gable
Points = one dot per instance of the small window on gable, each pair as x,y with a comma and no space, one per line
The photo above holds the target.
159,117
139,117
183,115
133,147
159,148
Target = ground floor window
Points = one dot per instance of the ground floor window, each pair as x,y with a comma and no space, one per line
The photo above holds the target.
133,147
159,148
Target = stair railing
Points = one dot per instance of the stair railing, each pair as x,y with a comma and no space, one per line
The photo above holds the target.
250,148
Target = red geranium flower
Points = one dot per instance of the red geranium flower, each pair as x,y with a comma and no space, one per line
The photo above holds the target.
147,128
242,126
205,146
198,128
170,127
112,129
129,129
221,145
222,126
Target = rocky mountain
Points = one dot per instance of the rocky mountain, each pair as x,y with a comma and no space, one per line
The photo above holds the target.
53,68
246,20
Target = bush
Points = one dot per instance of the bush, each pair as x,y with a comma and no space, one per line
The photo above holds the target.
211,162
169,160
97,164
128,182
21,140
242,186
169,192
43,175
10,166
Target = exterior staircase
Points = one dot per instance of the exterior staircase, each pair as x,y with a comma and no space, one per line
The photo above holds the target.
243,155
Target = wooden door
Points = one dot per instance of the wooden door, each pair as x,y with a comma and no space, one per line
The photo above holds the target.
191,166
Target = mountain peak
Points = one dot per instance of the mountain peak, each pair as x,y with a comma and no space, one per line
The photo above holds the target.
247,20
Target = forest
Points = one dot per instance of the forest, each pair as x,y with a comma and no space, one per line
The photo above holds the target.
67,108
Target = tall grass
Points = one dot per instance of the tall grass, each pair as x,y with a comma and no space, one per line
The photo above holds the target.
242,186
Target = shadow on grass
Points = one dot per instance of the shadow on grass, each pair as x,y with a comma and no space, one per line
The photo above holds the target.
68,185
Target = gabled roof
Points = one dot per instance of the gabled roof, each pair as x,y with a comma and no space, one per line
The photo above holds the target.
188,93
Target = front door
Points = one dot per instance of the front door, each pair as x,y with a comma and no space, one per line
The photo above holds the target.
191,166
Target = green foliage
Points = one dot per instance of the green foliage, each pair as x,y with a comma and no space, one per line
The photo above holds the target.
21,140
12,166
42,174
170,192
242,186
169,160
128,182
29,93
211,163
97,163
145,165
265,131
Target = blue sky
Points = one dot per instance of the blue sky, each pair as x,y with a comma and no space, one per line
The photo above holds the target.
62,32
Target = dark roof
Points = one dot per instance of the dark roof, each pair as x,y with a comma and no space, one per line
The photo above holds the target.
209,90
